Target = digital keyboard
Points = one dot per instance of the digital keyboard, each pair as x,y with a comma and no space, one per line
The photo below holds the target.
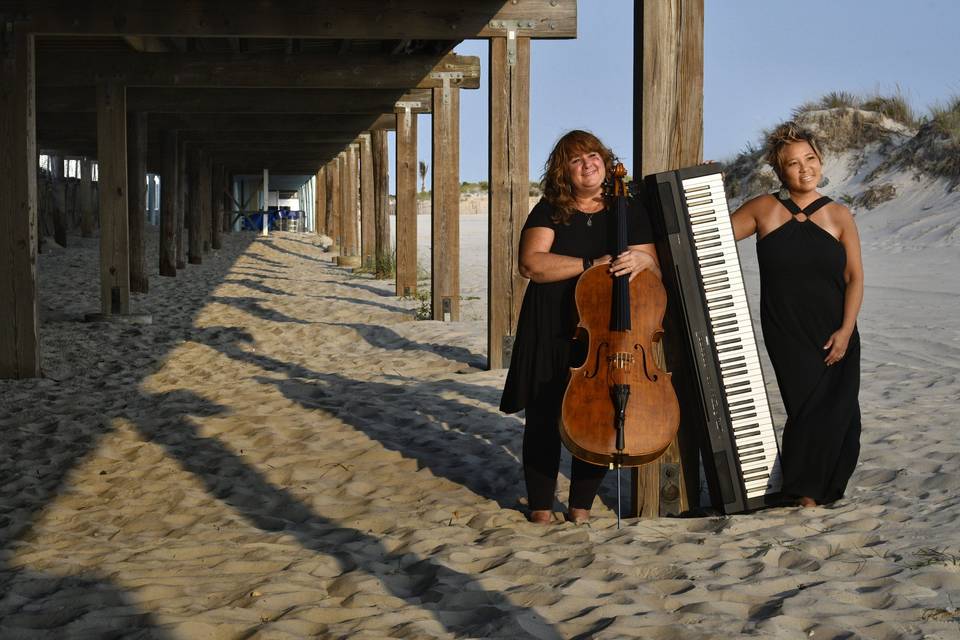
709,341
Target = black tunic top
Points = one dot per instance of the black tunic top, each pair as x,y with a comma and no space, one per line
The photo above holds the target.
801,304
548,317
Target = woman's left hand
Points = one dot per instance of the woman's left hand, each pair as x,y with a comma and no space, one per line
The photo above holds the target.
836,346
631,262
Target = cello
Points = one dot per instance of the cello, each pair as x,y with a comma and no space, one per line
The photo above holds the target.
619,408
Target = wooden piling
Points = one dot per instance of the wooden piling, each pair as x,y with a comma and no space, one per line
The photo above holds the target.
509,190
137,199
381,203
169,192
19,315
114,216
367,241
406,214
195,213
445,251
668,134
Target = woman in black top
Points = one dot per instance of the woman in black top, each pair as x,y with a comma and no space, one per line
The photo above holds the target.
568,231
811,287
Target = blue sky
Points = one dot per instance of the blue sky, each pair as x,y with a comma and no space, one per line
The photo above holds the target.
762,59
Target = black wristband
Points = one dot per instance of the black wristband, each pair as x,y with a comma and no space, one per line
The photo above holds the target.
587,263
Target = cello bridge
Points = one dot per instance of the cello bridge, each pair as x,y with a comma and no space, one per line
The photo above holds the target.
620,360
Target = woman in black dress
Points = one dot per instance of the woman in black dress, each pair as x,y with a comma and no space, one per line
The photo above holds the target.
568,231
811,287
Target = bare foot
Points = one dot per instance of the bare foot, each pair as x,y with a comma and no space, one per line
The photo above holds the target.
578,516
540,516
806,502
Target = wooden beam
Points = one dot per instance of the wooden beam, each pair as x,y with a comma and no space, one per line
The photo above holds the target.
78,126
256,71
137,204
381,203
169,191
269,148
339,19
509,190
445,243
406,215
241,138
146,44
668,134
194,100
112,186
19,315
366,202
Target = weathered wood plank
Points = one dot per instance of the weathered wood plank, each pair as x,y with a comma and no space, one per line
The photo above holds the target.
509,189
112,182
668,131
445,233
347,19
137,199
19,315
367,241
406,214
381,202
256,71
169,193
82,99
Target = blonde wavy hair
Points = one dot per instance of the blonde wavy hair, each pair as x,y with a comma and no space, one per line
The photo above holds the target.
555,182
788,133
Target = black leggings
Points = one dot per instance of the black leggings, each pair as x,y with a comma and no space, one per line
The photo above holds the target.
541,459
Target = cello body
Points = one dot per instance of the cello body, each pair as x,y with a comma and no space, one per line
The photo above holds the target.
652,414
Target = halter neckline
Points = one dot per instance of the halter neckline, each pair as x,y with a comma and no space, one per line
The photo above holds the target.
809,210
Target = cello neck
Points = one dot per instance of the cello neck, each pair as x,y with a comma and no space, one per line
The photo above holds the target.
617,194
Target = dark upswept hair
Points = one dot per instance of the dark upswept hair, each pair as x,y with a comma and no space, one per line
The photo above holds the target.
788,133
555,183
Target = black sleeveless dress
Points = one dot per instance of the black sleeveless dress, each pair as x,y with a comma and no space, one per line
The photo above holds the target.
801,304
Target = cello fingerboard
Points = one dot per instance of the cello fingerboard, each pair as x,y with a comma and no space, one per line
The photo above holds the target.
709,341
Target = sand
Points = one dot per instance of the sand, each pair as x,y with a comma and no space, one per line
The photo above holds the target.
286,453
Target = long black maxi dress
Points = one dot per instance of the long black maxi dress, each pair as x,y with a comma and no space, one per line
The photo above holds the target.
801,304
